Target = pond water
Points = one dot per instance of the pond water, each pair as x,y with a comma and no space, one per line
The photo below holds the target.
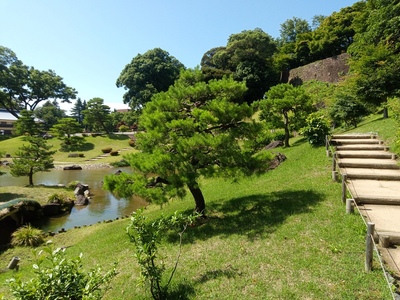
103,204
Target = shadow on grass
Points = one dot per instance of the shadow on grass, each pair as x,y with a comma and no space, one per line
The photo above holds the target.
4,197
120,137
181,291
82,147
254,216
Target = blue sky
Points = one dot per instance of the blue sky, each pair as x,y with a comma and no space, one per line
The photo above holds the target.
89,42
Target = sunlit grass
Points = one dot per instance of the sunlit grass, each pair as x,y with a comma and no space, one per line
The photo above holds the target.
282,235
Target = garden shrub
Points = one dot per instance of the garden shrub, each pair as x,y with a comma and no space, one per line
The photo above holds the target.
114,153
132,143
123,128
76,155
60,277
72,185
106,150
120,164
317,129
27,236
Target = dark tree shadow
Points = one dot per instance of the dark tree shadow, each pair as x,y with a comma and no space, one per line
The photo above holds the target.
4,197
82,147
120,137
181,291
254,216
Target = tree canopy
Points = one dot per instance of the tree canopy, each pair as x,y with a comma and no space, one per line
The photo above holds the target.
285,107
194,129
248,57
148,74
97,115
23,87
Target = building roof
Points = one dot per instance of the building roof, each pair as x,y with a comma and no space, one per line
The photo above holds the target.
6,116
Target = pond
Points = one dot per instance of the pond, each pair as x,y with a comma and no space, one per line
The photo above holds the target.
103,204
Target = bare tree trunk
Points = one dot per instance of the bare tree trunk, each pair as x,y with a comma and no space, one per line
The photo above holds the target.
198,199
287,133
30,177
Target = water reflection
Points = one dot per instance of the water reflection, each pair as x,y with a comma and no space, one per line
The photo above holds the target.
103,205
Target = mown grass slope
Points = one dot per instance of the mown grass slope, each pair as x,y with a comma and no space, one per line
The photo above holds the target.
282,235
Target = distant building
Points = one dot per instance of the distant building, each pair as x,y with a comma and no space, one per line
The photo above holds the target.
7,121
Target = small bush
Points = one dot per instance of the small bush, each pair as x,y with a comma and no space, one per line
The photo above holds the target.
132,143
76,155
123,128
60,277
106,150
114,153
120,164
72,185
27,236
316,130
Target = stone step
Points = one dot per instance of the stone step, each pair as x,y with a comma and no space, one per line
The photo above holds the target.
368,163
364,154
363,147
355,141
354,136
381,200
372,174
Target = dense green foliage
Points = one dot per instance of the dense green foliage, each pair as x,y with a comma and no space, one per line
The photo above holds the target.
194,129
316,129
33,157
148,74
146,236
97,116
23,87
60,277
65,130
49,114
248,57
285,107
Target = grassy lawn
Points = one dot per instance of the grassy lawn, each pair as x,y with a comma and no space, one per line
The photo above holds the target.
282,235
91,148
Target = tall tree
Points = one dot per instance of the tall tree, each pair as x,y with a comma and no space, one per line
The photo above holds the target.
97,115
32,158
248,57
49,114
148,74
285,106
65,130
291,28
77,110
26,124
376,52
194,129
23,87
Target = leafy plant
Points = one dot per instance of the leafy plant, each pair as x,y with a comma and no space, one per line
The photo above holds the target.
316,130
60,277
27,236
146,236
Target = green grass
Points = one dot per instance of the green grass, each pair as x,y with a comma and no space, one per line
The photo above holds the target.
282,235
91,148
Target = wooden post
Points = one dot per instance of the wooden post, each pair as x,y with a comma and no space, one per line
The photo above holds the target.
369,245
334,172
349,206
344,188
328,152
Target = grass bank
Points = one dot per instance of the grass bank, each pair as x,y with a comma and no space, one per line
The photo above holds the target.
282,235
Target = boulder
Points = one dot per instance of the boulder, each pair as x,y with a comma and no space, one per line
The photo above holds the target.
82,194
73,167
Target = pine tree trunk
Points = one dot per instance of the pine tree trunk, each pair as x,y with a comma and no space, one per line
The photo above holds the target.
30,177
198,199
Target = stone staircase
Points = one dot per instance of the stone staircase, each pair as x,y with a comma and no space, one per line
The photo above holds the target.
372,176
